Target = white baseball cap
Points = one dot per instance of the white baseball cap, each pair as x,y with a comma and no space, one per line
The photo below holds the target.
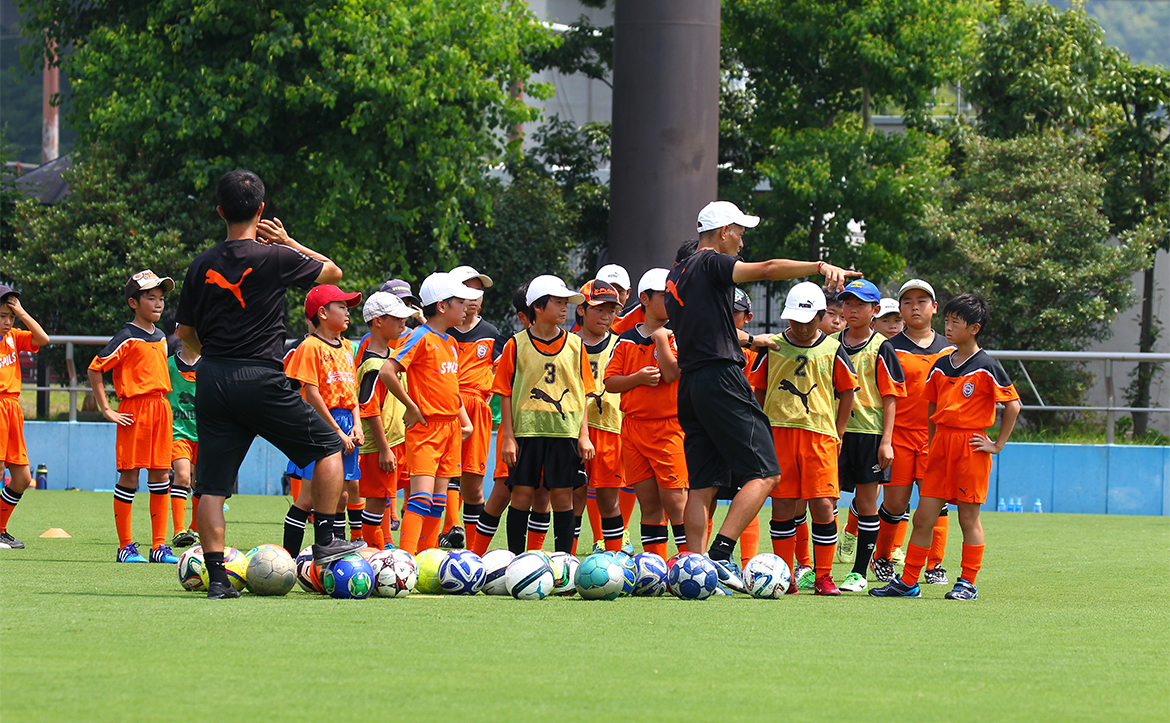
653,280
803,302
547,285
441,286
916,284
467,273
718,214
887,306
615,275
382,303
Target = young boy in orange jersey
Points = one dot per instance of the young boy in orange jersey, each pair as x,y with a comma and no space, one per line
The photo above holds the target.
181,367
961,393
543,379
918,347
888,320
867,448
479,347
644,370
806,388
137,355
741,314
436,422
323,365
13,454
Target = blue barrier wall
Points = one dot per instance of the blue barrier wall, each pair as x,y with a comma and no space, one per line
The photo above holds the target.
1091,479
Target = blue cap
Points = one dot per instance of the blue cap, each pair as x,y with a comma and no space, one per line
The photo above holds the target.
862,289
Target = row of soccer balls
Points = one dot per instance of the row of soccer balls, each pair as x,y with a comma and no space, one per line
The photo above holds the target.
270,570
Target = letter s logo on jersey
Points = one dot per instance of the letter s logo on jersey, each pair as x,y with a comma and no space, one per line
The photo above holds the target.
451,367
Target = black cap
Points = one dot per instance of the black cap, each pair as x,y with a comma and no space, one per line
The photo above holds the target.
6,291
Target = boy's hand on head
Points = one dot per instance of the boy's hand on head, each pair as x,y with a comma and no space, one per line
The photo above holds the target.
649,376
981,443
272,232
14,302
885,455
387,461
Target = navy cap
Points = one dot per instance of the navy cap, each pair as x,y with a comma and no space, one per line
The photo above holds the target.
742,302
401,289
863,290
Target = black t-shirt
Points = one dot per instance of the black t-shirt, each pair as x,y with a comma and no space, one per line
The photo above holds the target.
699,296
234,297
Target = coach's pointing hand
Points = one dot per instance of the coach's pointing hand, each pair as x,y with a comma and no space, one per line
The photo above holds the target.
835,276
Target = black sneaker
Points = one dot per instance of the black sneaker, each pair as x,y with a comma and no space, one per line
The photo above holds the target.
184,538
444,543
221,590
456,537
935,576
883,569
335,550
9,542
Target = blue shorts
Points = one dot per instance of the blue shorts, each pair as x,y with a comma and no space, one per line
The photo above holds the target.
344,419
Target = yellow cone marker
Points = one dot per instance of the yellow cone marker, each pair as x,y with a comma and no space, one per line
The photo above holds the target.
55,532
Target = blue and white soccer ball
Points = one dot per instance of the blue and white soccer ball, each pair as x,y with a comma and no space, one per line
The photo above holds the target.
600,577
462,573
651,579
693,577
631,567
767,576
495,563
349,577
529,577
564,567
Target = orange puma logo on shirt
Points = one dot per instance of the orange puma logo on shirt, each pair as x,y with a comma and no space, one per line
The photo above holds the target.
214,277
673,290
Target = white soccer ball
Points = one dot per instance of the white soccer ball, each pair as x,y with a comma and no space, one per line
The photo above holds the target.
651,575
190,569
767,576
495,564
529,577
397,577
271,571
564,567
378,560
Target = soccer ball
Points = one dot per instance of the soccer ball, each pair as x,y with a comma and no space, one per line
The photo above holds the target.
693,577
462,573
676,557
629,570
266,546
767,576
236,565
600,577
190,569
564,567
651,581
402,556
428,562
377,560
349,577
396,578
529,577
547,557
271,571
308,576
495,563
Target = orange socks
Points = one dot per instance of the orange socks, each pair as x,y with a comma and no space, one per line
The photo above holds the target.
749,541
626,500
418,507
372,535
915,560
884,547
901,530
294,487
536,539
179,508
972,562
851,524
8,502
160,509
594,513
786,549
938,542
123,511
433,522
195,513
802,555
454,508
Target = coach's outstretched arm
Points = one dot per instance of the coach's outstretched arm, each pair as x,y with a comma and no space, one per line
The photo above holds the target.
781,269
272,231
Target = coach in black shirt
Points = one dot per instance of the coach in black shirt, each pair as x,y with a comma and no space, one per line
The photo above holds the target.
728,437
231,310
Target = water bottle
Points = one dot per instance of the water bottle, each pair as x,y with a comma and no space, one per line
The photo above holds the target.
1037,508
1017,504
1002,506
42,477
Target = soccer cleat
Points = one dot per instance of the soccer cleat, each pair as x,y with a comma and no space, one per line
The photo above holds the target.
804,577
846,547
898,556
443,543
730,575
457,537
184,538
883,569
130,553
627,546
335,550
935,576
598,547
721,590
220,590
162,553
395,524
793,589
8,542
897,588
963,590
824,585
854,583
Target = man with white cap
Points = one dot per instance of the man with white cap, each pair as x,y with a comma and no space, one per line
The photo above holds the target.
728,440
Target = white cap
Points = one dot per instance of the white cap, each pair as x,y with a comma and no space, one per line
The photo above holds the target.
441,286
803,302
382,303
653,280
718,214
887,306
615,275
547,285
916,284
466,273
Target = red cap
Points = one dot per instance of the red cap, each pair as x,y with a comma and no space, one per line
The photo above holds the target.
326,294
598,292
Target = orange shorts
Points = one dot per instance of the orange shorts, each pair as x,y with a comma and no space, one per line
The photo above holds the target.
374,482
955,472
808,464
501,473
12,449
654,448
401,468
475,447
909,456
185,449
606,467
435,449
145,444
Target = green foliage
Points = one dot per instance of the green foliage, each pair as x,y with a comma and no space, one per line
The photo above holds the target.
1137,27
584,48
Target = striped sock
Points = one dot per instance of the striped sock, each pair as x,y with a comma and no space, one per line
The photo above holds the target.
654,539
433,523
612,530
867,534
538,524
824,539
123,513
160,509
802,538
179,508
680,537
485,530
372,529
294,530
354,512
418,506
784,540
8,502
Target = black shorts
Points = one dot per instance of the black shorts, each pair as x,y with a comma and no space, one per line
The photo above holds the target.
728,439
238,400
858,464
551,462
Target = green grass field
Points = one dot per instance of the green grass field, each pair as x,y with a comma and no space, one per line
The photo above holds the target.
1073,623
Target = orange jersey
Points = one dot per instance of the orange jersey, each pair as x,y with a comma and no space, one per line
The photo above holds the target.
627,319
506,370
749,356
431,361
479,347
965,398
916,362
633,352
11,344
138,359
330,368
371,391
